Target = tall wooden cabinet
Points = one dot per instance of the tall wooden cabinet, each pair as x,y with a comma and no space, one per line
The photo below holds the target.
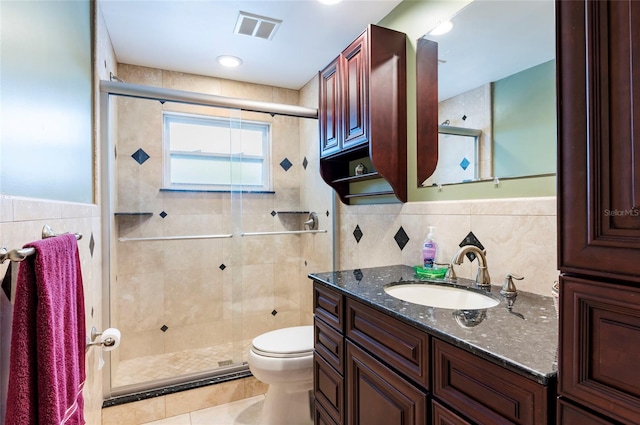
599,211
363,117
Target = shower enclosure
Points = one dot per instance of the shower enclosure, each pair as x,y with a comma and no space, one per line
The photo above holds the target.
206,238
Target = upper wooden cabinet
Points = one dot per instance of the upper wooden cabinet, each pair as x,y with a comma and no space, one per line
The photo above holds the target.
363,117
599,138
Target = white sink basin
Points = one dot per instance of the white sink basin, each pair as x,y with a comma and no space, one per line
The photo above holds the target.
441,296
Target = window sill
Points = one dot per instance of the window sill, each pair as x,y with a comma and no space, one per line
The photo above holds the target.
259,192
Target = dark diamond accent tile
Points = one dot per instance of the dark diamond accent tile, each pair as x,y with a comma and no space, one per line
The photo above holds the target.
357,273
273,213
222,267
274,312
471,239
286,164
305,262
401,238
357,233
140,156
305,163
163,214
164,328
91,311
92,244
327,213
464,118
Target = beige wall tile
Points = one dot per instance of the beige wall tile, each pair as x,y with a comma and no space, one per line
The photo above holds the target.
213,395
253,387
136,412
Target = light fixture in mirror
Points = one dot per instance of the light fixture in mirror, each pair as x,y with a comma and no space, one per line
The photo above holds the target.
496,73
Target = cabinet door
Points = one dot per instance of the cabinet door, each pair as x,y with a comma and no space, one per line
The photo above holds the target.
599,345
328,389
329,109
571,415
599,137
443,416
355,83
379,396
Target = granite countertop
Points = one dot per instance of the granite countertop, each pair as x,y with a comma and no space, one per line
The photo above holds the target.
524,340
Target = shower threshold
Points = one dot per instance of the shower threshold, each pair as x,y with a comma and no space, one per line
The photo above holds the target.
133,393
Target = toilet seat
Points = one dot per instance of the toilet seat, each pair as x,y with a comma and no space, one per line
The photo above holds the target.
291,342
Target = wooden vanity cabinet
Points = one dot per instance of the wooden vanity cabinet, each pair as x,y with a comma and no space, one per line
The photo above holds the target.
394,373
362,117
598,63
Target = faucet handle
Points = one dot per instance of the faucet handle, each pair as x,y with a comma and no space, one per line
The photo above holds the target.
508,287
509,291
451,273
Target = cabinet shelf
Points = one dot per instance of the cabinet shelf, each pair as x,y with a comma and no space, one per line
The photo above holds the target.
360,178
369,194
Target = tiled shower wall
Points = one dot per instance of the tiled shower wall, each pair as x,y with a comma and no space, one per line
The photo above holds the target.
179,295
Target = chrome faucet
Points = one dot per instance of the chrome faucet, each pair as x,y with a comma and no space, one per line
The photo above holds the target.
482,277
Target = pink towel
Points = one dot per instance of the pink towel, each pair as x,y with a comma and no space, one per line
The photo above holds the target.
48,337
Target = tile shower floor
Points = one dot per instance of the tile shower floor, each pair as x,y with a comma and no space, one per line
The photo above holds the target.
241,412
172,365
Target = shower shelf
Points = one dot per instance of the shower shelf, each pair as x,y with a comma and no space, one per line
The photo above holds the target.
133,214
292,212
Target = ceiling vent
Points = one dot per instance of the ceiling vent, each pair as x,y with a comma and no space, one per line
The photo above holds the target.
256,26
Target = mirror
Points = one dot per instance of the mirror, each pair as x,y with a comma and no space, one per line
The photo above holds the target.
496,75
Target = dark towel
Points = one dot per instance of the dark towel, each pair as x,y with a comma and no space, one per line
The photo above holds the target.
47,369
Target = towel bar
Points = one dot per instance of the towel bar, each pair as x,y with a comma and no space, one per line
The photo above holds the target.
21,254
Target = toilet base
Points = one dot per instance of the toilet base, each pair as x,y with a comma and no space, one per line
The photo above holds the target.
284,405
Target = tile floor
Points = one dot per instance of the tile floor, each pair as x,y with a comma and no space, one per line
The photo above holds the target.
241,412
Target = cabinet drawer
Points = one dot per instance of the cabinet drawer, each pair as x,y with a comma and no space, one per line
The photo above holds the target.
401,346
443,416
599,346
329,344
328,305
485,392
377,395
321,417
328,388
570,415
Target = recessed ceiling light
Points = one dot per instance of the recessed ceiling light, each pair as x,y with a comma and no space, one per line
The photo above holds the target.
229,61
329,2
442,28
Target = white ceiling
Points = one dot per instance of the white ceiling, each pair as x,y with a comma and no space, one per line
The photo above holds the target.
188,35
491,39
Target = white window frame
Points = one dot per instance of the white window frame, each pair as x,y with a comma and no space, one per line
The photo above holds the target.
235,155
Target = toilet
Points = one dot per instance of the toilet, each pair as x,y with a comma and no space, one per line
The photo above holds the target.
283,359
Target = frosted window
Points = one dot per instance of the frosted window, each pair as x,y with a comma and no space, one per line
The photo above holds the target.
46,145
215,154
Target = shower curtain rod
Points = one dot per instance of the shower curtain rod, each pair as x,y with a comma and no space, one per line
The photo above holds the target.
180,96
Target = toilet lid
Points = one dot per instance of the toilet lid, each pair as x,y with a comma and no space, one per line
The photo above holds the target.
296,340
